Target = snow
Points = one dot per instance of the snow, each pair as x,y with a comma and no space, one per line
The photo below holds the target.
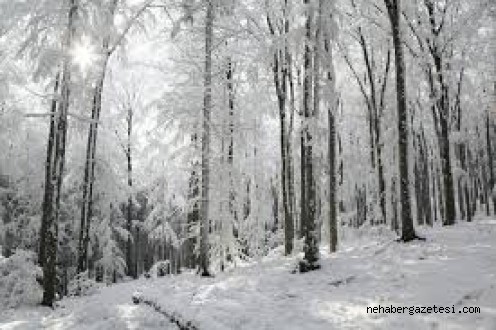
111,308
455,266
18,285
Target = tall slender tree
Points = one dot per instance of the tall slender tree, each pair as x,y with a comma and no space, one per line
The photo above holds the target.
394,14
89,169
490,161
129,208
51,209
205,159
309,194
280,70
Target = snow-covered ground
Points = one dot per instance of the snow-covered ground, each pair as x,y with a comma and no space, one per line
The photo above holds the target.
111,308
455,267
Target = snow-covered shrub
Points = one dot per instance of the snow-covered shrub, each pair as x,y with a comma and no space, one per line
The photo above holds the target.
137,297
160,268
19,276
275,240
82,285
111,262
20,222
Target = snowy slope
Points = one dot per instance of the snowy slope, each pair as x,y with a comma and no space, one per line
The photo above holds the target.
455,267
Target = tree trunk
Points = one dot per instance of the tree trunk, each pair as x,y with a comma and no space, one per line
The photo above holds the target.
333,228
207,108
129,224
433,188
48,192
407,229
332,110
378,142
308,212
89,170
490,162
193,214
50,225
230,155
394,205
137,257
426,196
280,76
443,117
449,193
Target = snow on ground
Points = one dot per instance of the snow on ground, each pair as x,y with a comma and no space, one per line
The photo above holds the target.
111,308
455,268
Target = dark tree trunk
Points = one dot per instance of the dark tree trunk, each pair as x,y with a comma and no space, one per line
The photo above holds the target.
303,190
129,215
51,218
378,142
193,215
333,226
449,193
490,163
308,212
207,108
230,150
331,127
433,188
290,174
280,76
89,178
137,252
418,193
407,229
394,204
443,116
48,191
426,196
440,193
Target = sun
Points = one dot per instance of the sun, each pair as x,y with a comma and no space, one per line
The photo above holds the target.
83,54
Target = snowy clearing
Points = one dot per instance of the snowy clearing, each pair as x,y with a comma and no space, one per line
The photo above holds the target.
456,266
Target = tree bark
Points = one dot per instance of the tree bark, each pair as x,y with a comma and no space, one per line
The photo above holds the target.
48,191
129,224
280,76
332,110
308,212
407,229
207,108
443,116
333,228
50,232
490,162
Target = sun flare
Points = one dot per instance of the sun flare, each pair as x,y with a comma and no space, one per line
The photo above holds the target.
83,54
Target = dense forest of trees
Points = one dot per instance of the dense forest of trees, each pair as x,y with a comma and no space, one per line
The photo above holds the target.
209,132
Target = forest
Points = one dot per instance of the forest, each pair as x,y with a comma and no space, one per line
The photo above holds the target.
292,153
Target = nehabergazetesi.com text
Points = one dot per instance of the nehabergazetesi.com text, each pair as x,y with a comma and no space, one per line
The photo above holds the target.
422,310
